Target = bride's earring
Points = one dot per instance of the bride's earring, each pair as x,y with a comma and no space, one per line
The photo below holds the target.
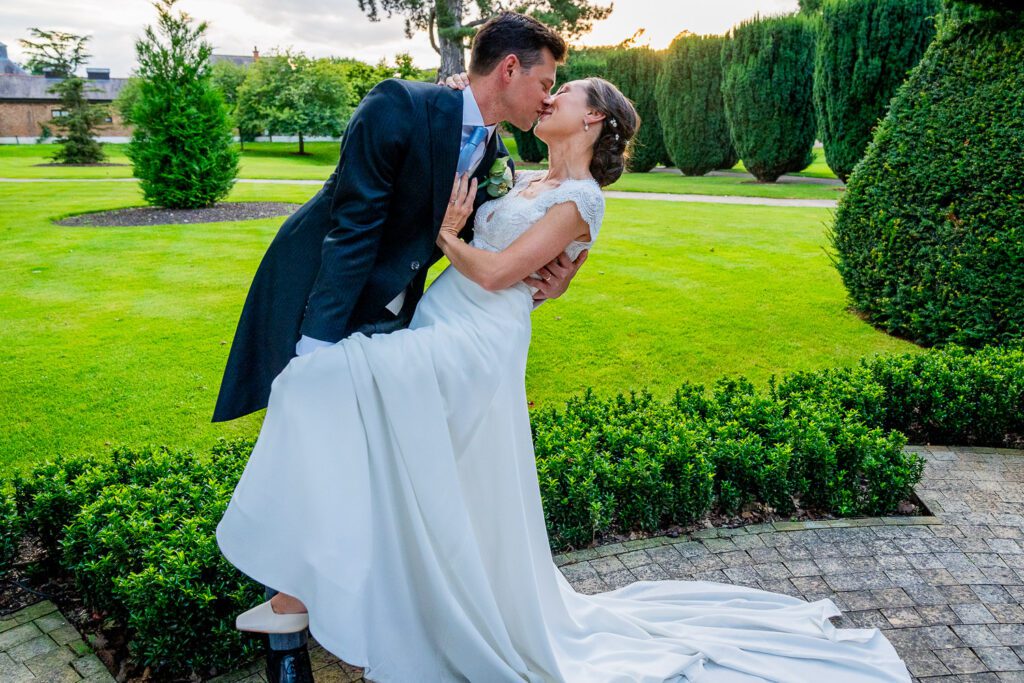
586,125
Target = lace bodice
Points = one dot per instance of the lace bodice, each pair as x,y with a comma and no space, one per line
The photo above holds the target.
500,221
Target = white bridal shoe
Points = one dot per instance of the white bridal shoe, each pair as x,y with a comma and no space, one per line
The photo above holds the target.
263,619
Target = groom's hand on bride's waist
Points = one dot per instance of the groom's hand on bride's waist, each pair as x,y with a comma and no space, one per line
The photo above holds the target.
555,277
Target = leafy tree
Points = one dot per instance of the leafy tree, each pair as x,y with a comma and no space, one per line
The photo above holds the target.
865,48
689,96
61,54
767,69
635,71
228,77
182,149
810,6
448,24
291,94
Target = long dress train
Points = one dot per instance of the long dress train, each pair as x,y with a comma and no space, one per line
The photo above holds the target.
393,489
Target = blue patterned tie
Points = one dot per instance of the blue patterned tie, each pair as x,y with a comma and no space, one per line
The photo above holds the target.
475,138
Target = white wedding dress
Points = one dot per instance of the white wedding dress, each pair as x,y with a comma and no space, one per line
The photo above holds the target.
393,490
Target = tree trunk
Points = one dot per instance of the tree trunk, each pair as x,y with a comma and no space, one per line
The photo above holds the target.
449,22
302,145
241,140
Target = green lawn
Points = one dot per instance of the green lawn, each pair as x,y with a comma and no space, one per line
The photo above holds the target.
119,335
279,160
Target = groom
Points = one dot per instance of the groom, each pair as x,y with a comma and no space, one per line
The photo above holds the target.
355,257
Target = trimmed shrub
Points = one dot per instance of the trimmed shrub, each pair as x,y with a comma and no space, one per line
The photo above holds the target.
690,106
181,148
137,533
865,49
530,148
10,532
767,74
929,235
635,71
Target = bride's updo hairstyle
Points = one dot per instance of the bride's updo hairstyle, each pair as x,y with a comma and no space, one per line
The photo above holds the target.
617,129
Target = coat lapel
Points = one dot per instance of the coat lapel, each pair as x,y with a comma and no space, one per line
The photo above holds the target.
445,136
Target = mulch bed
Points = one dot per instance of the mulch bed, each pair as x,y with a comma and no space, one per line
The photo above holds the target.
149,215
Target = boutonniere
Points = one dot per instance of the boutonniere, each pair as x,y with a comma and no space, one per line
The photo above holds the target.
499,178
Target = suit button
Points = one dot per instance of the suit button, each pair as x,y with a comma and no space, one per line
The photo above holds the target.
415,265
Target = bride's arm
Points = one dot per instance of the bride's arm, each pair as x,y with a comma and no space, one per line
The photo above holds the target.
539,245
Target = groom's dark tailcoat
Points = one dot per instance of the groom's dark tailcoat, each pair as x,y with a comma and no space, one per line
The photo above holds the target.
364,237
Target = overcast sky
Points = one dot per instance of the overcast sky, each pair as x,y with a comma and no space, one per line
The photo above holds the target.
334,27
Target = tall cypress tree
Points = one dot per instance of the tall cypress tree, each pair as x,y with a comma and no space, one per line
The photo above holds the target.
690,108
767,70
635,71
181,149
865,49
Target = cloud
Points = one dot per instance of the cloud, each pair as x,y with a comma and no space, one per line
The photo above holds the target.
323,28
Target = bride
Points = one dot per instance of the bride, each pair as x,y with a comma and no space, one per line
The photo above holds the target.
392,496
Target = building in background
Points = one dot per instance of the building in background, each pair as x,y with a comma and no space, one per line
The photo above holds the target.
26,105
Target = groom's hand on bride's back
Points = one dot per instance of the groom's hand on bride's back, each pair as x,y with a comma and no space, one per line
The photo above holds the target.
555,277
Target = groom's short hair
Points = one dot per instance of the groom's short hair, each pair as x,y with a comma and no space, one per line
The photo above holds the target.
511,33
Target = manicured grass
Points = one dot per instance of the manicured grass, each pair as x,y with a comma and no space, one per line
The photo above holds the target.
279,160
119,335
740,185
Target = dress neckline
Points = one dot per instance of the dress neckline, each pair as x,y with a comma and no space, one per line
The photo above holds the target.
555,189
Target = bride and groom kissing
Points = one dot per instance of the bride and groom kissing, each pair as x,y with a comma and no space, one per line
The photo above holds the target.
392,496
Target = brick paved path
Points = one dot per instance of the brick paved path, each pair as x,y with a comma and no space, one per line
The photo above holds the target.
38,645
947,590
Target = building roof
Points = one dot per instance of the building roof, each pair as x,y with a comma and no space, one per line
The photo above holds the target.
18,87
240,60
6,65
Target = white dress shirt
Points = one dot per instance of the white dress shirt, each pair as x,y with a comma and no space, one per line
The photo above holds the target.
471,118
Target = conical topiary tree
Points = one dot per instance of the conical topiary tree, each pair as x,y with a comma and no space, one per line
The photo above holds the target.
767,71
635,71
181,148
531,148
929,235
690,108
865,49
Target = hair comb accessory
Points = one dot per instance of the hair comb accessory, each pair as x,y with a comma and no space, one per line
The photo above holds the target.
615,124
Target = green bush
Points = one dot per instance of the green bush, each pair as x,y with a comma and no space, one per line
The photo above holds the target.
635,72
137,533
690,106
529,147
767,74
181,148
10,532
929,235
865,49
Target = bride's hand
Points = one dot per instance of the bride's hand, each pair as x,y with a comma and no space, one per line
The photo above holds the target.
460,206
457,81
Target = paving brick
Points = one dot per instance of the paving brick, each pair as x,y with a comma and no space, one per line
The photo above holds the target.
50,662
18,634
30,648
650,572
34,611
961,660
903,617
975,613
857,581
999,658
975,635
